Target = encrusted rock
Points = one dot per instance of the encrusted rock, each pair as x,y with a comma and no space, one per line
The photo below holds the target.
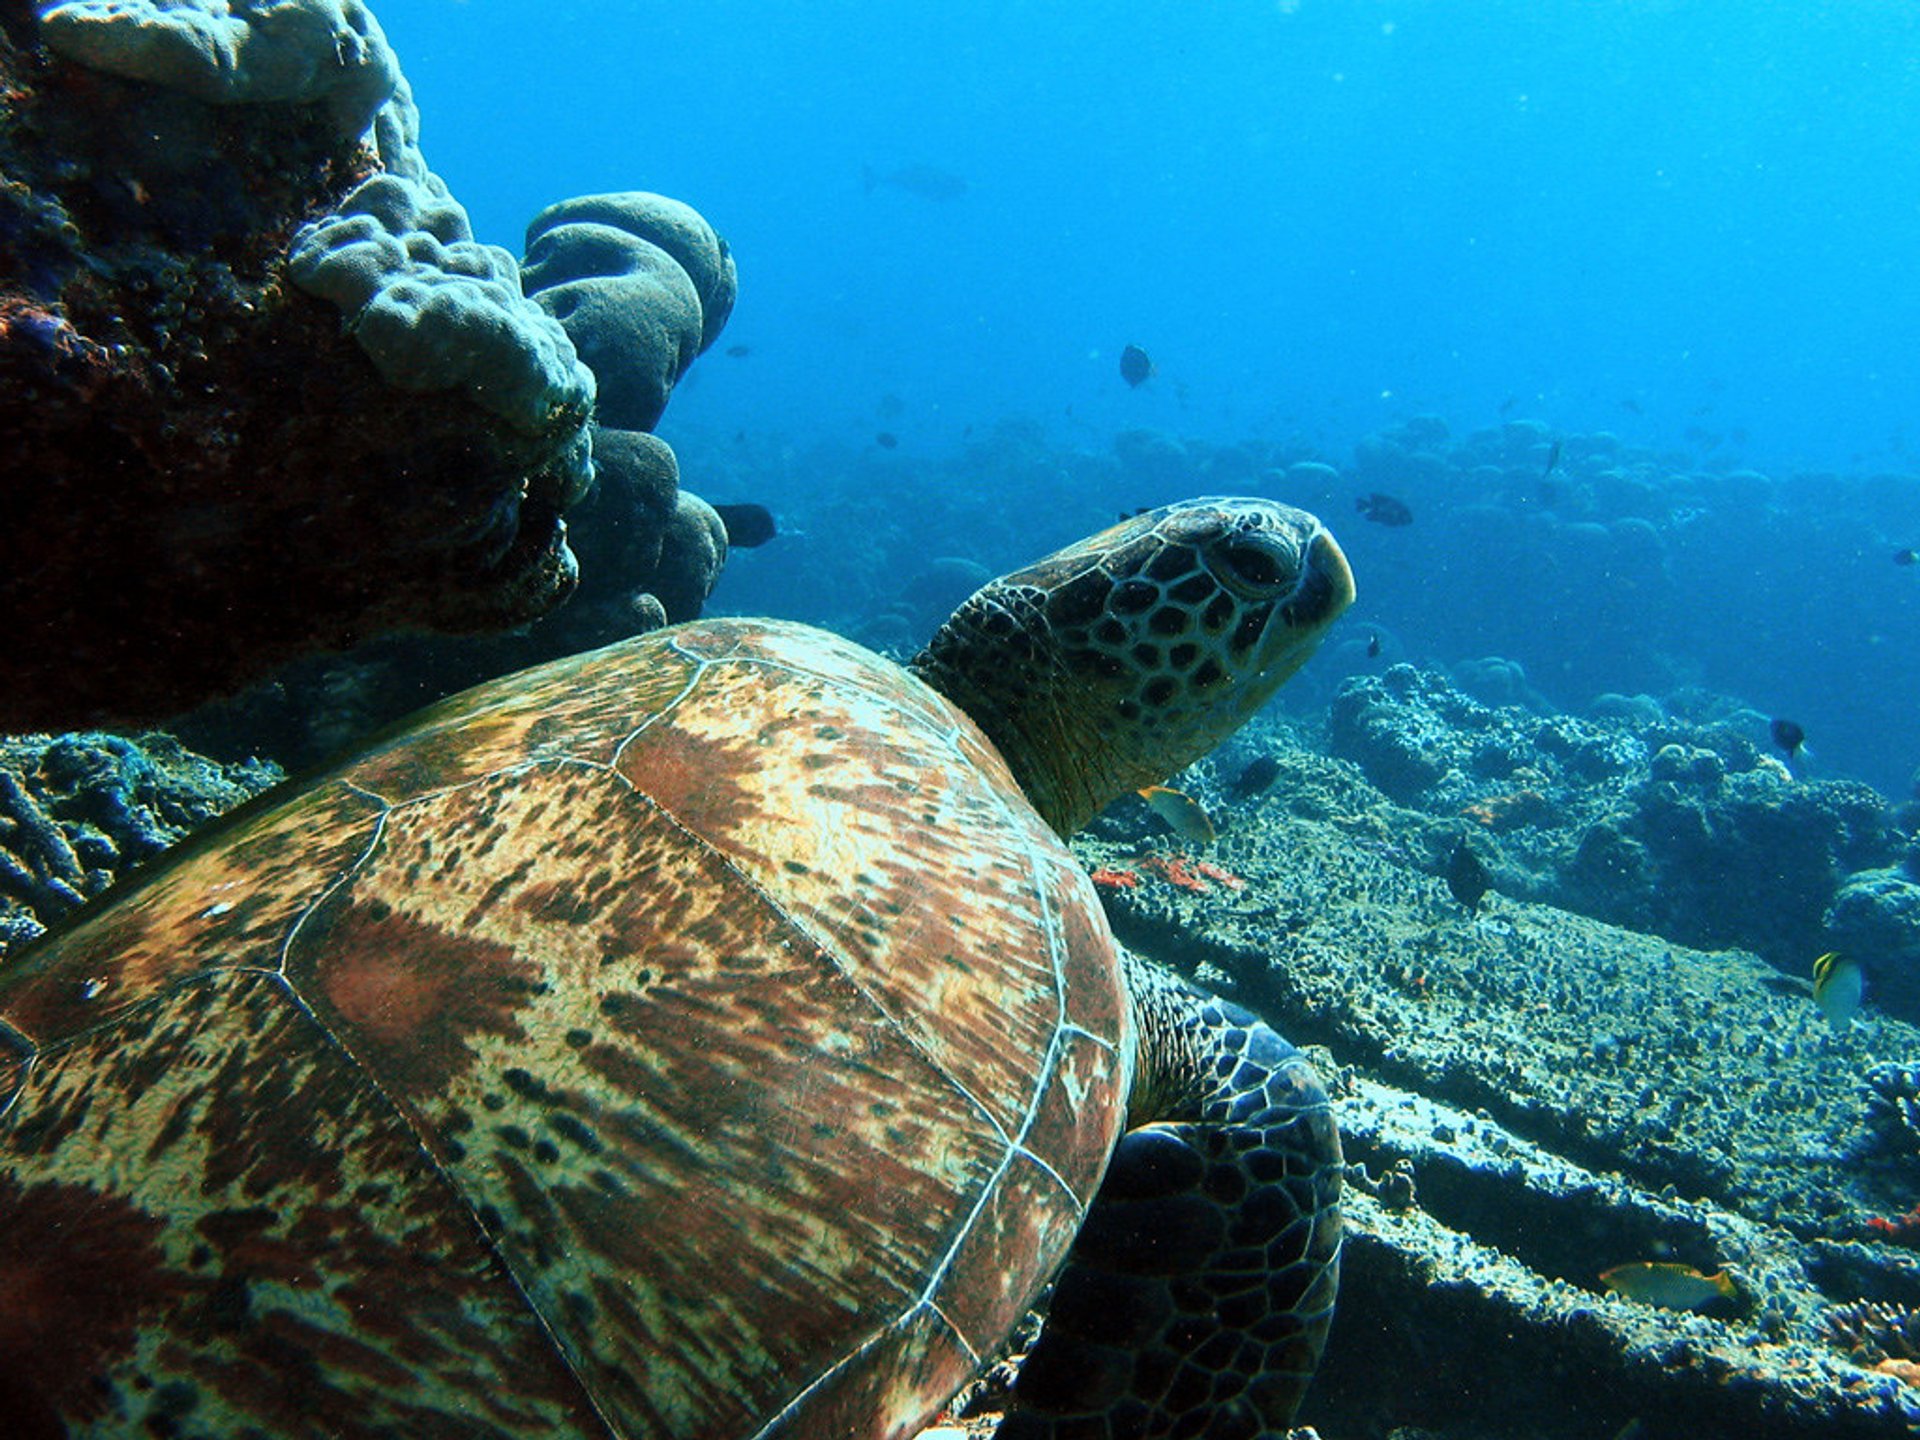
79,811
207,474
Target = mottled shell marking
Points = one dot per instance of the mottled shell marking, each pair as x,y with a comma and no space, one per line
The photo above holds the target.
733,934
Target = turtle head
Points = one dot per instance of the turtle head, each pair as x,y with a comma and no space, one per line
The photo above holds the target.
1115,662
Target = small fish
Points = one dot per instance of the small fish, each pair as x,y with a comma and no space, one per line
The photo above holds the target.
747,525
929,182
1383,509
1259,774
1135,514
1373,646
887,440
1553,460
1466,877
1136,366
1181,812
1509,405
1906,557
1838,984
739,352
1668,1285
1788,735
1631,406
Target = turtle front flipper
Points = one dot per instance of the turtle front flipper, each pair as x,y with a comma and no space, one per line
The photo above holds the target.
1196,1299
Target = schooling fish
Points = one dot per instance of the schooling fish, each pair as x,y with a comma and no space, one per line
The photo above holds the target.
1666,1284
1136,366
1788,735
739,352
1181,812
747,525
1383,509
1373,646
1553,460
887,440
1906,557
1838,985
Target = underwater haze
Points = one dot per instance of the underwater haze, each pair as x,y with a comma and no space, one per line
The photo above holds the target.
1322,215
1688,226
1248,670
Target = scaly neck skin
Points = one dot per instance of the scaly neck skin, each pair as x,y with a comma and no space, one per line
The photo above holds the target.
1067,772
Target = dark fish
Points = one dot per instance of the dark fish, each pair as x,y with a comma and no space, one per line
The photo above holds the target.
1631,406
929,182
1508,405
1130,514
1553,459
739,352
747,525
1373,646
1136,366
1383,509
1905,557
1258,775
1788,735
1466,877
890,405
887,440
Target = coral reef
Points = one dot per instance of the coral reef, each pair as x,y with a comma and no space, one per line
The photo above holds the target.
1530,1096
1893,1107
1871,1332
1668,825
247,52
435,310
253,486
77,811
1875,916
642,285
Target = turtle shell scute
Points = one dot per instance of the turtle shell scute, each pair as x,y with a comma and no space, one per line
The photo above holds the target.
724,963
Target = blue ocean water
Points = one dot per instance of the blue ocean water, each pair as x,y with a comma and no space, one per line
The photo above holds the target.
1688,226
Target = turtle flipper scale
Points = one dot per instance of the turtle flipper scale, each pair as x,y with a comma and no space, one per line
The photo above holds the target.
1196,1298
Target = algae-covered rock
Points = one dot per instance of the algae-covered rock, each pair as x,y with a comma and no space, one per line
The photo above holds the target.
257,480
642,285
79,811
1680,827
1529,1097
227,52
436,310
1875,918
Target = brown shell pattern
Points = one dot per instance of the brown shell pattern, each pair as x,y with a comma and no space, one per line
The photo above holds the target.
696,1038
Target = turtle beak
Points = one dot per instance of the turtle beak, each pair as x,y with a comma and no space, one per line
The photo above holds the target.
1326,586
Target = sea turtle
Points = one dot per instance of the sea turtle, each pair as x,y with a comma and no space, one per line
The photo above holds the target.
706,1036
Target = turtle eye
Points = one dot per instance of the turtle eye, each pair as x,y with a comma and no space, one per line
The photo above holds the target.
1255,565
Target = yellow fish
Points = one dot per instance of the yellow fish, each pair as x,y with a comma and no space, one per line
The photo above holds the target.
1838,984
1663,1283
1181,812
